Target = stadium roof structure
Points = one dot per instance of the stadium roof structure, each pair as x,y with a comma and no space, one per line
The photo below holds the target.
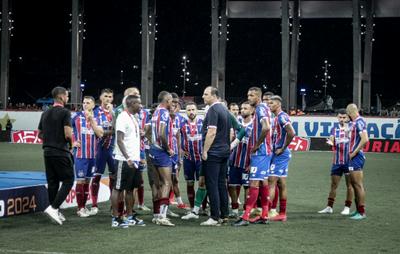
221,11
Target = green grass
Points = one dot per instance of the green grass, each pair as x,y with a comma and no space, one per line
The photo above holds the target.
304,232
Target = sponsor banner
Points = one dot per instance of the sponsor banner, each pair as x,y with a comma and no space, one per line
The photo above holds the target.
23,200
383,146
374,145
104,195
25,137
30,199
305,126
300,144
318,126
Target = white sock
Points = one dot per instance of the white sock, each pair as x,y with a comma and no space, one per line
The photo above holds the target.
179,200
163,211
196,209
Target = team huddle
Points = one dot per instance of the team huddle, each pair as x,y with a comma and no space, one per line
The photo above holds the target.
227,149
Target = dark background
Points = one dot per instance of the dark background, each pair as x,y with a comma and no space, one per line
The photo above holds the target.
41,49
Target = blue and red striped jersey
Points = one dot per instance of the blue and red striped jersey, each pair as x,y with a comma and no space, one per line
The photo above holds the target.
279,131
192,142
161,117
240,156
106,120
176,126
341,147
83,132
358,126
144,120
262,112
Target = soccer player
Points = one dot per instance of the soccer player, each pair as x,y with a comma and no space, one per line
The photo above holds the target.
234,109
105,147
340,141
266,97
86,129
359,138
283,134
192,146
261,153
161,152
127,157
240,160
56,132
177,160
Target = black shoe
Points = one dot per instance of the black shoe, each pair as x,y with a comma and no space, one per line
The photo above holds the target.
261,221
240,222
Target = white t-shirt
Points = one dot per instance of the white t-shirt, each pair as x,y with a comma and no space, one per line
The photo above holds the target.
129,125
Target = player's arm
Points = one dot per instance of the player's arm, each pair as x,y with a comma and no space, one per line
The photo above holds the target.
289,137
237,127
98,130
211,132
364,140
264,130
68,128
121,146
164,139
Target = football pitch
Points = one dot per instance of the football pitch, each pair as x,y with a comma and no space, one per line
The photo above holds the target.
306,231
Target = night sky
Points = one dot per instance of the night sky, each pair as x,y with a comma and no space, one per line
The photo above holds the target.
40,51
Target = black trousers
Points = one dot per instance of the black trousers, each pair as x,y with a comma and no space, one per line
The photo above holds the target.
58,169
215,170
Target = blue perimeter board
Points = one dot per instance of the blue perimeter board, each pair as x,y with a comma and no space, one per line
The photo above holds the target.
14,179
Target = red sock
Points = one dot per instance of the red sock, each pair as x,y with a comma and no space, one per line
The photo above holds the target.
282,206
190,194
361,209
164,201
80,192
95,189
238,188
85,197
330,202
250,201
275,201
140,193
264,191
171,194
347,203
259,200
156,206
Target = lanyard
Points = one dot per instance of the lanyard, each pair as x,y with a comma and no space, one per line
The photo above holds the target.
131,116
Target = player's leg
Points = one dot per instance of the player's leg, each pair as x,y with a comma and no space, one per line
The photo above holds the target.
357,178
189,170
101,159
349,195
234,180
356,175
335,180
81,169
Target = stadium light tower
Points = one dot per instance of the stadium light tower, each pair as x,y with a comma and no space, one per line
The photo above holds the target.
326,77
185,73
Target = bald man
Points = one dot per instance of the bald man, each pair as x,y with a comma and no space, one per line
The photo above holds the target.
359,138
